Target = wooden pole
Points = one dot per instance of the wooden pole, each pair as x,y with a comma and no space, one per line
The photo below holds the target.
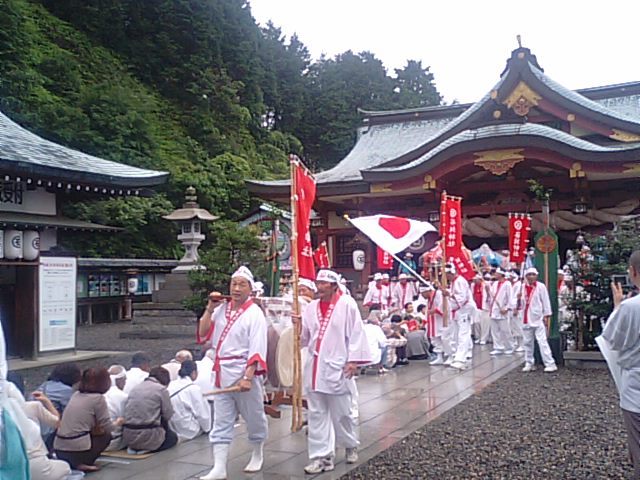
296,410
443,278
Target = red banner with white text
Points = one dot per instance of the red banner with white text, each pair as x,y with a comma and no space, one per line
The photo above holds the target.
451,234
385,260
305,196
321,256
519,228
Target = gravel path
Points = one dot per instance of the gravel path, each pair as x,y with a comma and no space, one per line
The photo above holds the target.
106,337
523,426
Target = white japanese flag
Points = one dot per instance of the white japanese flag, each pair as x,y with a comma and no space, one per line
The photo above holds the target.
393,234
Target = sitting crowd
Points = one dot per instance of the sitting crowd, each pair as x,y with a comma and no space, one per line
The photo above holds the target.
75,416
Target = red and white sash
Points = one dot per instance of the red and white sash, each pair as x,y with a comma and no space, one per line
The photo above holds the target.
231,320
495,297
529,292
324,324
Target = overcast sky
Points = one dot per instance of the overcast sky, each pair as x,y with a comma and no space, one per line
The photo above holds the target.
466,43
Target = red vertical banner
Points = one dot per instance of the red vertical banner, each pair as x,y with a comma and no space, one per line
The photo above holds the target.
385,260
451,233
519,228
321,256
305,195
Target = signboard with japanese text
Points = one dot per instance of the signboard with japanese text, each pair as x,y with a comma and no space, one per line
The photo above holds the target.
57,303
17,197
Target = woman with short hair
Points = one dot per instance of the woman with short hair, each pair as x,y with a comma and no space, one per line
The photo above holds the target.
85,428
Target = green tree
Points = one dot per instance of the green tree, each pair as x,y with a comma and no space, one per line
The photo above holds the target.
415,87
228,247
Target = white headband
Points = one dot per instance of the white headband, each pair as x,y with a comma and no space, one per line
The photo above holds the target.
327,276
377,276
426,287
531,270
310,284
245,273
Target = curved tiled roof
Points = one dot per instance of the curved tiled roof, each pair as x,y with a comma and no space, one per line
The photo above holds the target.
511,130
24,151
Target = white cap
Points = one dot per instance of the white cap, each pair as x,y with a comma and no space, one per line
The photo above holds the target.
450,268
327,276
500,271
487,276
385,276
244,272
377,276
310,284
531,270
403,276
258,287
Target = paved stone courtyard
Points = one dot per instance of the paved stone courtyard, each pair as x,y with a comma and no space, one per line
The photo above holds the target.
391,407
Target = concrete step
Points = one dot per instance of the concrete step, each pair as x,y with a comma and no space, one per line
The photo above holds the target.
157,306
154,331
164,313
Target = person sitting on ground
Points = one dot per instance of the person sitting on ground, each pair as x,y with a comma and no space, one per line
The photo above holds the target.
398,330
421,313
174,365
38,412
59,385
58,388
116,399
408,309
377,340
147,413
191,411
140,366
85,428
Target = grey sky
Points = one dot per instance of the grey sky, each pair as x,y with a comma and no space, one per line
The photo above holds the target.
466,43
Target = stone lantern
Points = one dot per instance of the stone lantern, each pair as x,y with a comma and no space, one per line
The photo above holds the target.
189,219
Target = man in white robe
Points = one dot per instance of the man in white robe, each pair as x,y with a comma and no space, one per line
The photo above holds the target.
116,399
140,367
515,325
377,296
534,310
482,322
462,310
174,365
622,334
237,332
499,308
191,412
403,291
333,331
435,324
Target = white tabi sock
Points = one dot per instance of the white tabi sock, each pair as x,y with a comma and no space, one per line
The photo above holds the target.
255,464
219,470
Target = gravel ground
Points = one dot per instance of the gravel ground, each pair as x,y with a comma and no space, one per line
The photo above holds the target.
106,337
523,426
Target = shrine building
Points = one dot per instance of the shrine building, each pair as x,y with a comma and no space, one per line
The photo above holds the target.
584,145
40,283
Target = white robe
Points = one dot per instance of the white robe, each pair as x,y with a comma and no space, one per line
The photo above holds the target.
622,333
403,294
435,325
461,299
377,295
115,399
244,344
135,376
344,341
500,299
377,341
538,308
191,412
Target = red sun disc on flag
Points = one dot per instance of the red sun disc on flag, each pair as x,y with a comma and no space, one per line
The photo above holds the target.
396,226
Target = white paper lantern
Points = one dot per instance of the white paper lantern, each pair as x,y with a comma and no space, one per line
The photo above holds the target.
31,247
132,285
358,260
1,243
12,244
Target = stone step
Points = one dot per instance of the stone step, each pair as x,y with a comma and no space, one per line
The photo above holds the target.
163,320
157,306
164,312
159,331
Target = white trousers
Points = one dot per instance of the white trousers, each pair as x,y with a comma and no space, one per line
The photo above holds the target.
249,405
464,343
540,334
42,468
353,390
330,424
515,324
501,334
485,325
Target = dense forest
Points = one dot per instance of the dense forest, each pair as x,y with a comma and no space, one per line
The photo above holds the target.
193,87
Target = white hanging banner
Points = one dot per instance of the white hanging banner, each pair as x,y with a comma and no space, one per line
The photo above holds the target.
57,319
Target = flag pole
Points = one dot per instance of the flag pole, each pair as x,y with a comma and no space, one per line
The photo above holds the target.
443,246
296,413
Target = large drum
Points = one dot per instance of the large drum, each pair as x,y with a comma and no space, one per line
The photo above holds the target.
284,358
